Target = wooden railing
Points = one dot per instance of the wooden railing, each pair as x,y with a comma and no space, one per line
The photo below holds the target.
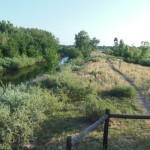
71,141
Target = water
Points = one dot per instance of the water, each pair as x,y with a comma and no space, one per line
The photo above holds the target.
63,60
21,75
25,74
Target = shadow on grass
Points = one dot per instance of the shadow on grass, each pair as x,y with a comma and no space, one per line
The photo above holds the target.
119,142
58,127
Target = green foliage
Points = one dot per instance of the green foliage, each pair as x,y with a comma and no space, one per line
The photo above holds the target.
76,68
94,43
144,62
95,108
107,51
122,92
145,53
82,40
19,62
131,54
72,52
68,84
78,62
1,68
51,58
32,42
22,111
85,44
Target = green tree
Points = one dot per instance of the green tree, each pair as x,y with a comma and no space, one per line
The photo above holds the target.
72,52
145,53
116,47
116,41
32,51
32,42
94,43
84,43
12,48
82,40
121,48
51,58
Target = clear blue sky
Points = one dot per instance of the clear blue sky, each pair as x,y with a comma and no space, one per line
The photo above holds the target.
103,19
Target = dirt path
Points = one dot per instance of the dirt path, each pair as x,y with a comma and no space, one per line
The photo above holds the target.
139,96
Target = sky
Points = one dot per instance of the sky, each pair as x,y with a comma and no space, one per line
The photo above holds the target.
104,19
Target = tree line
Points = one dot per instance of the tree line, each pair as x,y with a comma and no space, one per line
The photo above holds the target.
20,41
17,42
140,55
82,47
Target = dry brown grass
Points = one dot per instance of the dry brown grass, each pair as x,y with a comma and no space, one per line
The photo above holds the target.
123,134
139,75
100,74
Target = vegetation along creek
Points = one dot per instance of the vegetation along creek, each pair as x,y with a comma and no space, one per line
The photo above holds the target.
62,100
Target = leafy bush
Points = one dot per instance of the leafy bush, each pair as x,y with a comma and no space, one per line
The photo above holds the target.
1,68
144,62
69,84
126,91
22,111
78,61
72,52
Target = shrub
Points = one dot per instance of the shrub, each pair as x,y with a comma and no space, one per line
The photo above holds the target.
73,52
77,61
95,108
126,91
70,84
1,68
144,62
22,111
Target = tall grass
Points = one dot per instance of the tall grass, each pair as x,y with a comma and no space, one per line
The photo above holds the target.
139,75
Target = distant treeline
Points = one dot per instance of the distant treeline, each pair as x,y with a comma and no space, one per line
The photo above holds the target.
20,41
140,55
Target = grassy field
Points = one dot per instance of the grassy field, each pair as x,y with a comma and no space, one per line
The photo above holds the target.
69,101
139,75
74,117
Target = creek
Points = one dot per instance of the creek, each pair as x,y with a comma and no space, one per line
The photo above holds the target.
25,74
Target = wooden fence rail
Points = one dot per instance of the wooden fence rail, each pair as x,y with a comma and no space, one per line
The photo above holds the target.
105,118
129,116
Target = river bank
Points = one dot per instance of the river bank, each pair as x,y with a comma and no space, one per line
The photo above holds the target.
26,73
10,64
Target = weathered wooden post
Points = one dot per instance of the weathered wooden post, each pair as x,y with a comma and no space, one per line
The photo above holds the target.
69,143
106,126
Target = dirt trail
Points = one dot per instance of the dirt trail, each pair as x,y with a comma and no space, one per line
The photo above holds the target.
140,97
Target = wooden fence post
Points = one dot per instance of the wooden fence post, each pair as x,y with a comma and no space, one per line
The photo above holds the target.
106,126
69,143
